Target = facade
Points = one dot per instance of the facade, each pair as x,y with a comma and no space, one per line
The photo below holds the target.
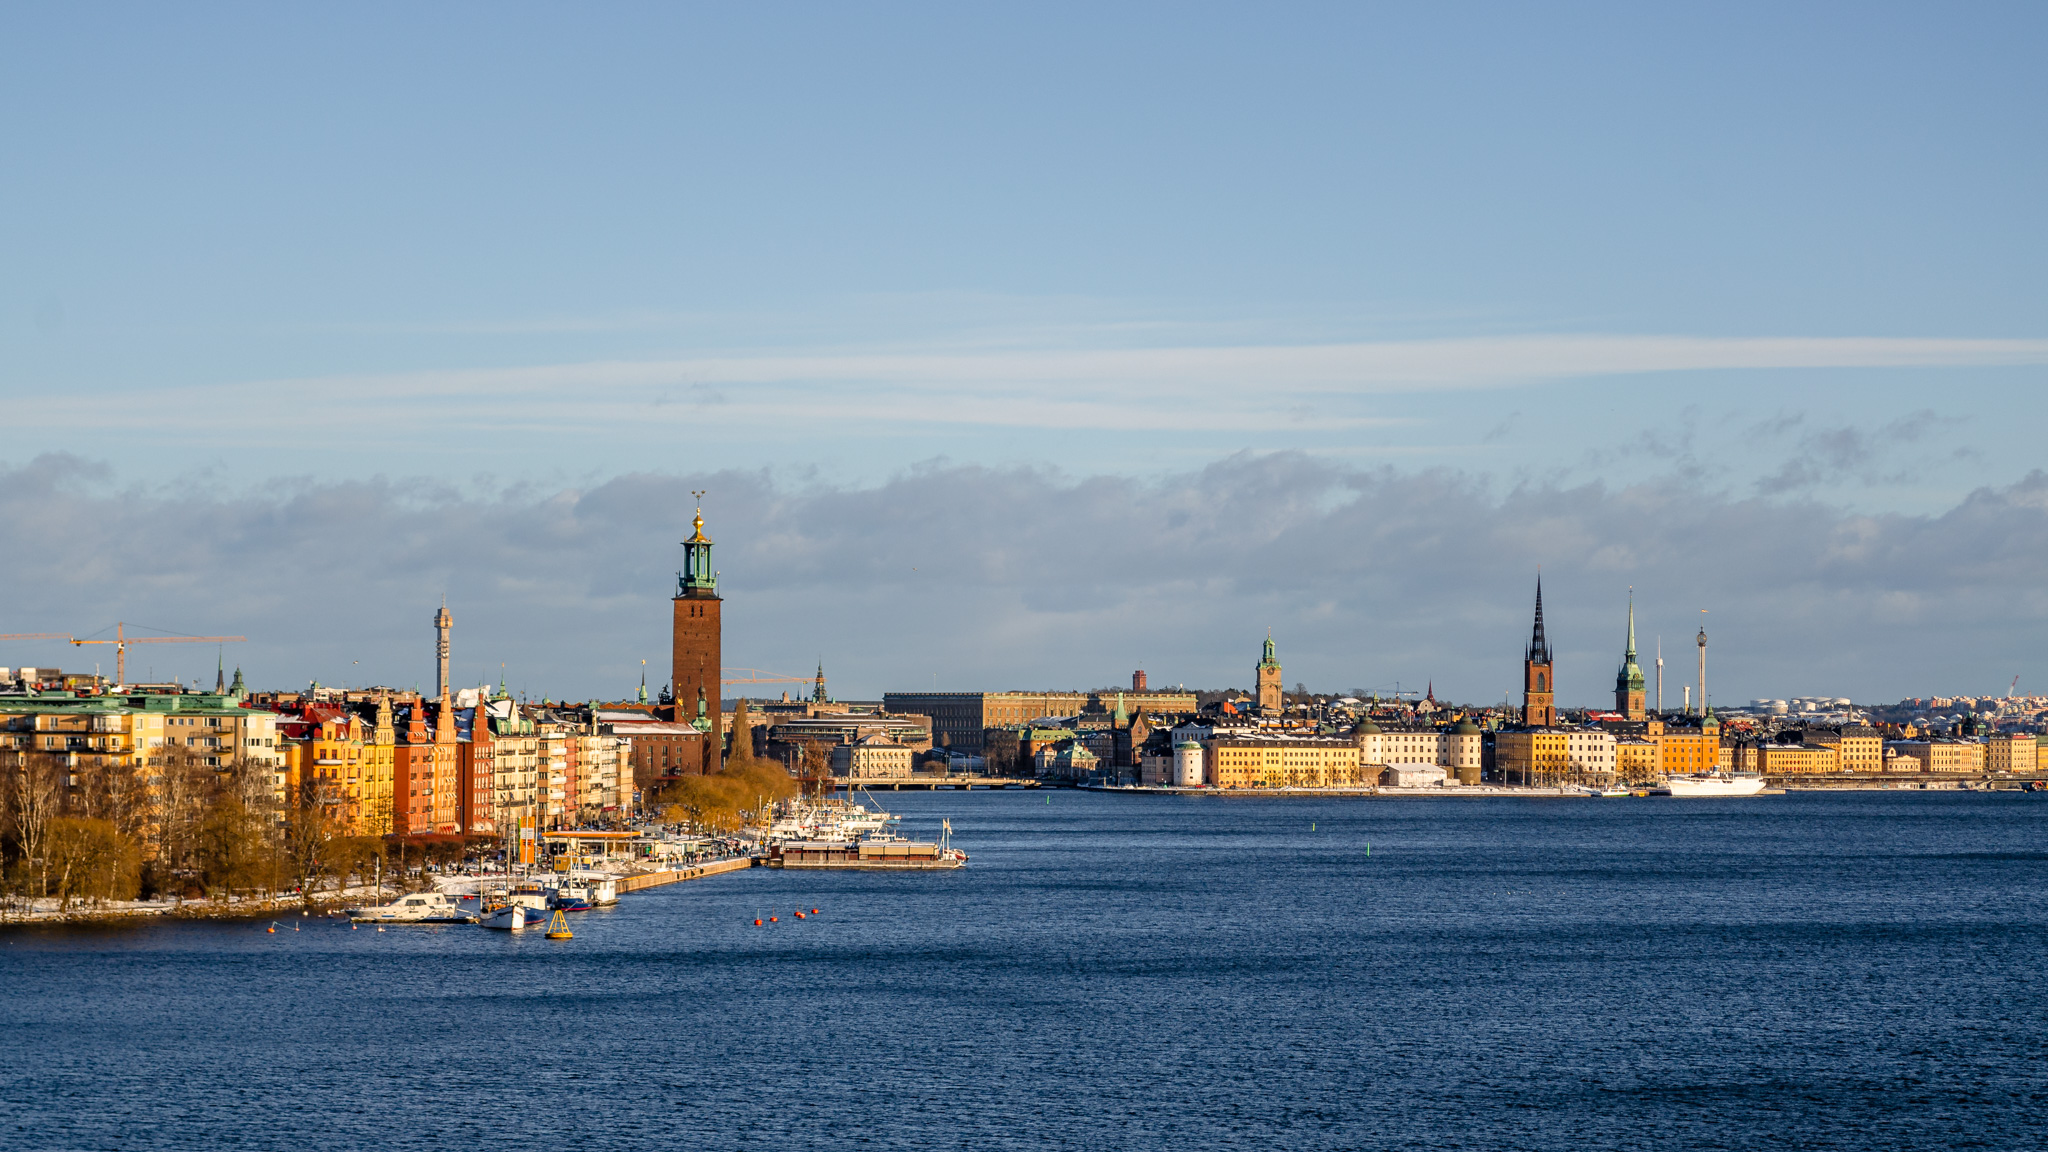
873,757
1065,760
1628,681
1272,699
697,651
1939,755
962,717
1537,686
476,772
1457,750
1635,759
2011,752
1796,759
1590,751
1532,756
1251,760
1687,751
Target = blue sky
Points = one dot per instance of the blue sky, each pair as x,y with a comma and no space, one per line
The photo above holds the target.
490,253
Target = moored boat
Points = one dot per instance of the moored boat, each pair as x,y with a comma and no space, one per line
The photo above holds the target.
1712,784
418,908
510,917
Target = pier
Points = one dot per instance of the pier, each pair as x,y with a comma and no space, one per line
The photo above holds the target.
933,783
640,880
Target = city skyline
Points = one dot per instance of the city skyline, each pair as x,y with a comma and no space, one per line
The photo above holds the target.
1334,320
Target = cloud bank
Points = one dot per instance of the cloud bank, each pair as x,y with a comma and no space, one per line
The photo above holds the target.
971,577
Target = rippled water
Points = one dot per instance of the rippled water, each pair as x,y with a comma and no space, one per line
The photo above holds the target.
1858,971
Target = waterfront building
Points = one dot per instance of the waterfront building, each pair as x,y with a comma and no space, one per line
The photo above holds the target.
872,757
1253,759
1531,756
77,736
963,717
1942,755
2011,752
1457,749
1272,700
1796,759
697,653
1590,752
1635,758
476,772
1066,760
1686,750
1538,687
1628,681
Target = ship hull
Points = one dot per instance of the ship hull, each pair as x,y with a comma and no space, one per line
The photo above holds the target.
1714,786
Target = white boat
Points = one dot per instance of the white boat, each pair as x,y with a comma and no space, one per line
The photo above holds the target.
1714,784
418,908
510,917
1594,790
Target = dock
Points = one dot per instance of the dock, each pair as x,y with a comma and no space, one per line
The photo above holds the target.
935,782
640,880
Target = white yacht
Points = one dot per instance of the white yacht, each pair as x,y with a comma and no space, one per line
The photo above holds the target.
418,908
1714,784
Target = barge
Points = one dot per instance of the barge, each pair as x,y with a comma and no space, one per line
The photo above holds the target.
872,853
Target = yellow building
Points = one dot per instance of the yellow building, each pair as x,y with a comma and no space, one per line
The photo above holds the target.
1282,762
1796,759
1956,757
2011,752
1635,759
1537,756
1685,751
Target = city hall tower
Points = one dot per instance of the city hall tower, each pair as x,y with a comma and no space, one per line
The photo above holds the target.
697,651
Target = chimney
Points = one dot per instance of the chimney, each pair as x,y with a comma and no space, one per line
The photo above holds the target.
1138,680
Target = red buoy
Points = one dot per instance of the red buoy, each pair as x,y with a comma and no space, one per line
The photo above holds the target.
757,923
773,919
814,911
799,915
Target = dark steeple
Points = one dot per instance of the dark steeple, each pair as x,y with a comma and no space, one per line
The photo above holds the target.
1539,647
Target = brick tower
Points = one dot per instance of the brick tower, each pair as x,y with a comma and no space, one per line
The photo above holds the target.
696,650
1537,685
1272,700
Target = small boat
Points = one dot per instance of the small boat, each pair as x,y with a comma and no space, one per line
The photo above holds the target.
509,917
418,908
1594,790
570,898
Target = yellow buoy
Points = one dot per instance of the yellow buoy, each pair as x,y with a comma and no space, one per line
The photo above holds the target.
558,928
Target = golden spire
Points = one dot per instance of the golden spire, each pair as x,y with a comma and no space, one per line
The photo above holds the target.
698,523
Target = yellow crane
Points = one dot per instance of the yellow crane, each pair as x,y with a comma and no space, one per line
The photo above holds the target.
122,640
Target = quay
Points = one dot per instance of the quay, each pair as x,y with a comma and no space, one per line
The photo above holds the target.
640,880
936,782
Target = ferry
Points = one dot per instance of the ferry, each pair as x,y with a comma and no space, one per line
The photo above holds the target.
419,908
1713,784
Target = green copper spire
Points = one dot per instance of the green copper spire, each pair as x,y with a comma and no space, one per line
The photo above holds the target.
697,579
1630,677
1268,659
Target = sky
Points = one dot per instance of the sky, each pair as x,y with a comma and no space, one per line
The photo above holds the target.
1024,348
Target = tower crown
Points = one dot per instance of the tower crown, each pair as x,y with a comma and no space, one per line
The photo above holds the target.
698,578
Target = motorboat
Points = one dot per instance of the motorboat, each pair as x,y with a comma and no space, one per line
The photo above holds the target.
418,908
1713,784
510,917
1596,790
570,898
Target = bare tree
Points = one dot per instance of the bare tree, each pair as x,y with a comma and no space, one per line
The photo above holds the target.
36,797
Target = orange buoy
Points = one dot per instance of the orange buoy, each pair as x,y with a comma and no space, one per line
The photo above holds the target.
757,922
272,929
814,911
773,919
799,915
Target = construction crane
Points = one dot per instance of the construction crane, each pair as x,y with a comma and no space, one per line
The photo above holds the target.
759,677
35,635
2011,688
122,640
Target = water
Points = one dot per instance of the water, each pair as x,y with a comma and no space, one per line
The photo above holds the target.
1857,971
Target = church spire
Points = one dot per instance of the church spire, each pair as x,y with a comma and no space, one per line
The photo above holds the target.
1539,646
1628,681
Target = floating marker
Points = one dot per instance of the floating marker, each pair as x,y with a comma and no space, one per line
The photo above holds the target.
814,911
799,915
